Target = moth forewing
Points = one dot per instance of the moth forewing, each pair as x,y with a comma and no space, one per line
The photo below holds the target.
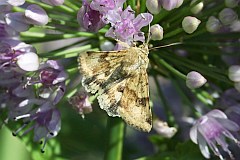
121,81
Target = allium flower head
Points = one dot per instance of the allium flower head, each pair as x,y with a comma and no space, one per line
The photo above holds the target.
212,130
126,28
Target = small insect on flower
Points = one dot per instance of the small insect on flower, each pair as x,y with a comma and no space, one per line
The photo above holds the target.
120,79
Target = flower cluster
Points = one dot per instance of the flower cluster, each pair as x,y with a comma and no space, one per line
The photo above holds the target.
124,26
227,21
30,89
212,130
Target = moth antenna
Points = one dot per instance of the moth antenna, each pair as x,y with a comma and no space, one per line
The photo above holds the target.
167,45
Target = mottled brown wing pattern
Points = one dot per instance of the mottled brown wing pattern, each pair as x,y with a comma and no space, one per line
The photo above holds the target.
134,105
97,67
109,98
121,81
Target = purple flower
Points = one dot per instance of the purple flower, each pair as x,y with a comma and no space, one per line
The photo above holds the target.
211,130
14,54
45,121
81,103
52,73
7,32
3,31
229,98
125,27
233,113
17,21
89,19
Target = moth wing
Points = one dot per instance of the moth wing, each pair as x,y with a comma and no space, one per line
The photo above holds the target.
97,67
109,98
134,104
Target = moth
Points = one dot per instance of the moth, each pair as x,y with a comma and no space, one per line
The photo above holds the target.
120,79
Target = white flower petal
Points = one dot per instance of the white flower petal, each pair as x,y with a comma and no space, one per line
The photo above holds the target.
203,146
28,61
217,114
228,124
193,133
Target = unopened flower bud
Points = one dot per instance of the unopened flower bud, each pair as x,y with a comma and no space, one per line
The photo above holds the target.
190,24
156,32
195,80
163,129
234,73
107,46
169,4
36,15
153,6
227,16
235,26
237,86
213,24
179,3
196,8
12,2
231,3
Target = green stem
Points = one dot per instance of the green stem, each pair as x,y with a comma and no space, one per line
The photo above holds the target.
71,5
42,37
115,139
169,67
166,106
73,52
173,33
61,8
